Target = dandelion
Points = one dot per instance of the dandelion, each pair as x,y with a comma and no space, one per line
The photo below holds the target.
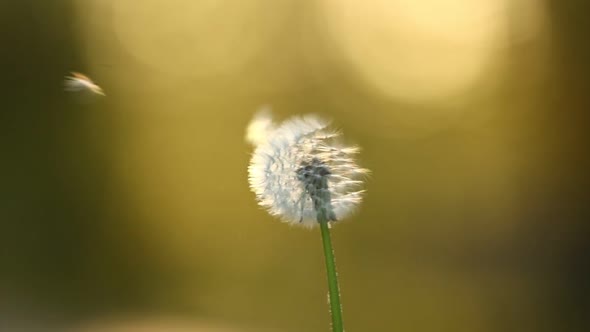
299,170
302,174
80,82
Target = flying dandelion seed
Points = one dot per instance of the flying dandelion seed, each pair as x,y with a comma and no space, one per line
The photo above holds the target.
299,170
81,83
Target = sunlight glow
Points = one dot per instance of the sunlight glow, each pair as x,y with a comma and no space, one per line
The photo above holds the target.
203,38
417,50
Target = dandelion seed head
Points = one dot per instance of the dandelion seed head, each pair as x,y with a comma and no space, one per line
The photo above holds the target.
299,169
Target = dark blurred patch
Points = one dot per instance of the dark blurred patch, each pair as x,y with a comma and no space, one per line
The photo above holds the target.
63,251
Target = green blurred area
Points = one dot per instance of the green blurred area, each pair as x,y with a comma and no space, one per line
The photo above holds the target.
136,206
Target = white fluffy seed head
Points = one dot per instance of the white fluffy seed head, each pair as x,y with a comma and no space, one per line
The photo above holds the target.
299,169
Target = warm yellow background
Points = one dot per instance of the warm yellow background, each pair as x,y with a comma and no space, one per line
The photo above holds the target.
132,212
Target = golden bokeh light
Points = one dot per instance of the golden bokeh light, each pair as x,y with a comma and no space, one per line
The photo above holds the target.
196,38
419,50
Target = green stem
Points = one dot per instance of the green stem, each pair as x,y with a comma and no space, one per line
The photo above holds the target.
333,289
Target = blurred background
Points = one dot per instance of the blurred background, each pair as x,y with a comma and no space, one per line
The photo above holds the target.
132,212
